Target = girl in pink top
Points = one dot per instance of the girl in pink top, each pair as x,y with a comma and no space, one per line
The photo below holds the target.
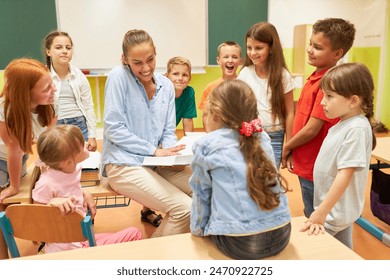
56,180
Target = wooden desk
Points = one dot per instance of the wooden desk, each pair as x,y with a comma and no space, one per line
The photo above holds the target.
189,247
382,154
382,150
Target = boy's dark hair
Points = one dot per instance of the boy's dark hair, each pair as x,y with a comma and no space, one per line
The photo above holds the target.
340,32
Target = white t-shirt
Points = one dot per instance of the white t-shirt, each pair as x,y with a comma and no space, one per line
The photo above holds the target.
348,144
263,93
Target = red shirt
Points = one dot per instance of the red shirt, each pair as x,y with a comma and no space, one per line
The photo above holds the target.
309,106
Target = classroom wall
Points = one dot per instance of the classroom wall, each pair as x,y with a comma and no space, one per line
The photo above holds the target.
198,82
371,45
222,25
1,80
97,27
384,104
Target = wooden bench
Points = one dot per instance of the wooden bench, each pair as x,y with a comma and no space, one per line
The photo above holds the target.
189,247
103,194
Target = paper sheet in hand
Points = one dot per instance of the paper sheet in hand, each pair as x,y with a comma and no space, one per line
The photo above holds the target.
186,156
93,161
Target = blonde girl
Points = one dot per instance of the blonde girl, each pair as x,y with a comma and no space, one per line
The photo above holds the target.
61,149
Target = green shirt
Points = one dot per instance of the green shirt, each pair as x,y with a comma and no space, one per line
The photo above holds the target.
185,105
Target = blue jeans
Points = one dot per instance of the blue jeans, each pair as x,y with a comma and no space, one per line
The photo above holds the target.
253,247
344,236
80,122
307,188
4,175
277,140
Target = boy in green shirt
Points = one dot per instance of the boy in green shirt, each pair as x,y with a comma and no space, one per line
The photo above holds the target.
179,72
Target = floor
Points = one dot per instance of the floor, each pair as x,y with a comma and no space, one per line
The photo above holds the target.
114,219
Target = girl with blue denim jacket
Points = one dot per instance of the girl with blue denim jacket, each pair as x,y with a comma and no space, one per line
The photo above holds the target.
238,197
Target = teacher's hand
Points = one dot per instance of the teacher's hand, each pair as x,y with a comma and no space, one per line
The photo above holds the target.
169,151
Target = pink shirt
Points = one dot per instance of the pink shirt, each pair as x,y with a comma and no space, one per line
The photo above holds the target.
54,183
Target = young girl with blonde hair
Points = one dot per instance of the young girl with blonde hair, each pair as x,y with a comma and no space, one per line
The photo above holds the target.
56,182
238,197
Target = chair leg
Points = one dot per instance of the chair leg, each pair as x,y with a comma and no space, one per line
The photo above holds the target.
7,234
3,247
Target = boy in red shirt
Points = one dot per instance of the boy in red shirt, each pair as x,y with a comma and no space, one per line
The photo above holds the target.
331,39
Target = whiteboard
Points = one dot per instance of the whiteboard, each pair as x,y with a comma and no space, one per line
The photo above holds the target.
97,27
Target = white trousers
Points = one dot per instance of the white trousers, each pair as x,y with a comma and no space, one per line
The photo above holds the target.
161,189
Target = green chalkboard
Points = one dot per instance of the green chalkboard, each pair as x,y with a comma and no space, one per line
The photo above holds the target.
229,20
23,25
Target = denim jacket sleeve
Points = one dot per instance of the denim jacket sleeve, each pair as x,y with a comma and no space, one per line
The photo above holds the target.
200,183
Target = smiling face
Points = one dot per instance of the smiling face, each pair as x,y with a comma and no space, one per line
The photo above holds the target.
61,50
257,51
43,92
229,59
320,52
180,75
142,61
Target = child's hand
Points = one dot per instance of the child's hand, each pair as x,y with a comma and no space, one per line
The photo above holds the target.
315,224
312,228
92,144
89,203
7,192
289,163
66,204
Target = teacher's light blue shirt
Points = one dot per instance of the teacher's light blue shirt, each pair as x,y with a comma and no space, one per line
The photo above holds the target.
134,126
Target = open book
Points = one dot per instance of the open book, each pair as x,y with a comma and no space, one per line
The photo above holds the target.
186,156
90,174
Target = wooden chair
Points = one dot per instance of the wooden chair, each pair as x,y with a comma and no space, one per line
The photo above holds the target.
43,223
